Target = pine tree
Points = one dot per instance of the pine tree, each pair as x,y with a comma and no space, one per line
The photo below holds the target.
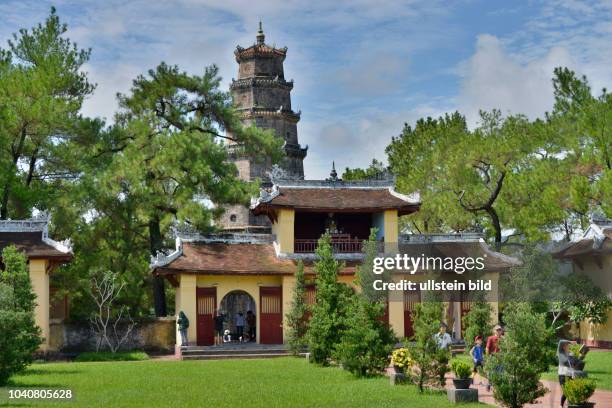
20,336
328,314
477,321
524,355
431,363
367,340
296,318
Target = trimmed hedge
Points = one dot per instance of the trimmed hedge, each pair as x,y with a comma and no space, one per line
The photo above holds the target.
108,356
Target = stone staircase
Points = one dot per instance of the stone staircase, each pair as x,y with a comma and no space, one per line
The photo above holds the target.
233,351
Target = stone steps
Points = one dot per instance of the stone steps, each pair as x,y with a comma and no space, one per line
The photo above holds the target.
233,356
233,352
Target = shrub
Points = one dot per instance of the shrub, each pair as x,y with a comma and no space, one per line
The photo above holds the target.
366,341
19,335
579,390
430,362
296,318
110,356
515,371
328,313
401,358
477,322
462,370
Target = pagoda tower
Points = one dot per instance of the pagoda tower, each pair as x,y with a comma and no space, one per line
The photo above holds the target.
262,96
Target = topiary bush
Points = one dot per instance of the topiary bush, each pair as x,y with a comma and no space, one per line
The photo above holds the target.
579,390
462,370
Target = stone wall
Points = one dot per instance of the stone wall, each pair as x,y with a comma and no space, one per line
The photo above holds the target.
149,335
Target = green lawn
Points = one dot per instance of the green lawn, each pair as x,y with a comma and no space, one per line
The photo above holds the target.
283,382
598,366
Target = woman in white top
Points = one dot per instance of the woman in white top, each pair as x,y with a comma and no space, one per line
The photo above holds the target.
565,370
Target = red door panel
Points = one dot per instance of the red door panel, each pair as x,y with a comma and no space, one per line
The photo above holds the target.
310,299
411,299
206,301
271,315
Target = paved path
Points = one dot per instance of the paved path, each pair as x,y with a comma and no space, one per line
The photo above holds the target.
552,399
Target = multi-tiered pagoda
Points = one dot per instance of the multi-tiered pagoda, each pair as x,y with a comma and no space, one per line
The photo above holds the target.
263,97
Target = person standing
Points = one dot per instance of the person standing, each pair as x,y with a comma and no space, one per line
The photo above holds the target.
183,325
493,346
251,321
493,341
565,370
218,327
443,339
239,326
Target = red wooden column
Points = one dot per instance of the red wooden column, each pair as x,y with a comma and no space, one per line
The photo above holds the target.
271,315
206,301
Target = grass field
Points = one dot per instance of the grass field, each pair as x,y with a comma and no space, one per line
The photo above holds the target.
283,382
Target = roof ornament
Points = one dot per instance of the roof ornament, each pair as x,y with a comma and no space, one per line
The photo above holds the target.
334,174
260,35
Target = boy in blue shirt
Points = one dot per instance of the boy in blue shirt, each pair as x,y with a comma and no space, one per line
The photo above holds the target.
477,354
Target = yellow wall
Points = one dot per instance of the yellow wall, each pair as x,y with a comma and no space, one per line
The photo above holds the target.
40,286
288,288
391,229
186,301
283,229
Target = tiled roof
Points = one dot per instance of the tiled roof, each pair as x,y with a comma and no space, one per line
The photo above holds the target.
231,259
338,199
33,245
596,240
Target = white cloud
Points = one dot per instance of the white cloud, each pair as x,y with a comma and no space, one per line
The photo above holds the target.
493,79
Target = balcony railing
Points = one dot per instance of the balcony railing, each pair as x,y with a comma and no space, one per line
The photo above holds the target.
341,244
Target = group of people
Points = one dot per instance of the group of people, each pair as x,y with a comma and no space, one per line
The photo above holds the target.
225,336
221,335
570,366
478,353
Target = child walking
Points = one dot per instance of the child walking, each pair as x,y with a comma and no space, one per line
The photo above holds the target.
477,354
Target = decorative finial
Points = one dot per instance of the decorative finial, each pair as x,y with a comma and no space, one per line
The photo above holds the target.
260,35
334,174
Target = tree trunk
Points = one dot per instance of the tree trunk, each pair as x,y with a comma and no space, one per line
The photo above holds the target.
496,226
159,289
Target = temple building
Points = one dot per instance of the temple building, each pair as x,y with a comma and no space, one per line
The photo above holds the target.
44,255
241,272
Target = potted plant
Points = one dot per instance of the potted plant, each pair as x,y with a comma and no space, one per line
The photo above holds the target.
578,391
400,359
462,372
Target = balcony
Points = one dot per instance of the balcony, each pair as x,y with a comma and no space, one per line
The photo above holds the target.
341,244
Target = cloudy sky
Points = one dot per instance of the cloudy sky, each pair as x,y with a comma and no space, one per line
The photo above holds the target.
362,68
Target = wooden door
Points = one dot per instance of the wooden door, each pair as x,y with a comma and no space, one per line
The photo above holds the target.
206,300
271,315
411,299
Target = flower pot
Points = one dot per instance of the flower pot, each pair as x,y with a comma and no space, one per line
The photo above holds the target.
462,383
582,405
398,369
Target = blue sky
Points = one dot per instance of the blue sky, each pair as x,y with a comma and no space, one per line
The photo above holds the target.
361,68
